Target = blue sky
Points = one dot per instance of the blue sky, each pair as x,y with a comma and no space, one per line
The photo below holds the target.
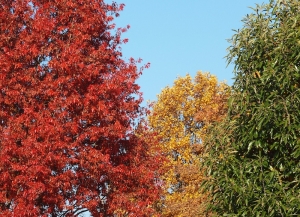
179,37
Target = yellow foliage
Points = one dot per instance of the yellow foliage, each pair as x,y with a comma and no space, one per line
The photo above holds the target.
180,118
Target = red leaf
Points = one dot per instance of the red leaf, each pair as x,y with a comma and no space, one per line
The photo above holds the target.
66,138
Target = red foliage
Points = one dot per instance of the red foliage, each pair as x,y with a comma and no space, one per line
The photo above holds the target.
67,106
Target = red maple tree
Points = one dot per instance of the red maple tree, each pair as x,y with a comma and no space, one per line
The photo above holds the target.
68,102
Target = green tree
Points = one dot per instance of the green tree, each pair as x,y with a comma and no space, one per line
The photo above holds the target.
253,161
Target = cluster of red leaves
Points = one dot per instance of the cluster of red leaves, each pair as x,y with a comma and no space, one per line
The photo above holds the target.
67,106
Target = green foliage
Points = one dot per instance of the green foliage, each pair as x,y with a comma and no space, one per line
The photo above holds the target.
253,156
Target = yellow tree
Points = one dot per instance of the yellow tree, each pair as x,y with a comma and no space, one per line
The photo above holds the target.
180,118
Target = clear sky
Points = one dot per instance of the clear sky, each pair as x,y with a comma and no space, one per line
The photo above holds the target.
179,37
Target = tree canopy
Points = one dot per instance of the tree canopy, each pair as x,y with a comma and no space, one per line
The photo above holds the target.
253,160
180,118
68,103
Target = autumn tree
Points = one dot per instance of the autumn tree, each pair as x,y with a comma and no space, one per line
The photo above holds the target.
180,118
254,156
68,102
